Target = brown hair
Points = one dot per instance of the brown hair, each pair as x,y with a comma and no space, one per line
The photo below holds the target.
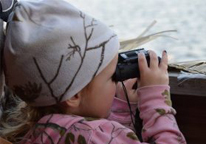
20,118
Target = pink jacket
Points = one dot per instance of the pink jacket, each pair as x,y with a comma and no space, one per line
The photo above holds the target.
159,124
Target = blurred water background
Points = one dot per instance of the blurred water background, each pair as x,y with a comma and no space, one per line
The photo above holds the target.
130,18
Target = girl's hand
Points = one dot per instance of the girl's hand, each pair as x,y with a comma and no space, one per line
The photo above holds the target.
132,93
156,74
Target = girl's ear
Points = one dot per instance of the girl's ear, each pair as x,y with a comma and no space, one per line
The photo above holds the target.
74,101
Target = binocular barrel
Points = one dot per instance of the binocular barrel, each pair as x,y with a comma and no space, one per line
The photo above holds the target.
127,66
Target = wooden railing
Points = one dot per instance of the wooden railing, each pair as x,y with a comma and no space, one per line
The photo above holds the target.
189,100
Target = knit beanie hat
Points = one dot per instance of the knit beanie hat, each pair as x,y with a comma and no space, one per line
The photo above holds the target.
53,50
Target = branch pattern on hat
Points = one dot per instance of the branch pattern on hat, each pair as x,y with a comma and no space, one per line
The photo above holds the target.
88,32
76,48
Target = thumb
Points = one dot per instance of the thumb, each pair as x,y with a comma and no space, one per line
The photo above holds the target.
130,83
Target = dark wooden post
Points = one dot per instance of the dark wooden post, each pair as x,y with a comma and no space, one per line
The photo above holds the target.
189,100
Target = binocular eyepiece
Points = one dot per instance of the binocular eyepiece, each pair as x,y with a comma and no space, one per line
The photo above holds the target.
127,66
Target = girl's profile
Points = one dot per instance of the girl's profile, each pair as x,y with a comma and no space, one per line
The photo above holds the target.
60,61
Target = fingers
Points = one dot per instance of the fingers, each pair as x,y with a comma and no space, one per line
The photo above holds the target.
164,61
142,62
132,94
130,83
154,63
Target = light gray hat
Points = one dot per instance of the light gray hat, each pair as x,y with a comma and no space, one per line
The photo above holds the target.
53,50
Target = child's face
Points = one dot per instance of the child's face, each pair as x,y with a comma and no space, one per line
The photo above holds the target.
98,96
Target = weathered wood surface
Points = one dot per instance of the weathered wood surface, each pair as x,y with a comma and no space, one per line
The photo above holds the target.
194,86
189,100
196,67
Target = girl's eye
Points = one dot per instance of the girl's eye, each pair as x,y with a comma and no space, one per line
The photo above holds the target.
114,78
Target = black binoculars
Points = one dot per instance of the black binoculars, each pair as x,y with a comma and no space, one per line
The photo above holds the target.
127,66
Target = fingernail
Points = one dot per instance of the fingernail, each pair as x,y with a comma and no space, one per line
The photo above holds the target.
165,51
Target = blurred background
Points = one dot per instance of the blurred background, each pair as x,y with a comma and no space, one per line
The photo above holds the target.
129,18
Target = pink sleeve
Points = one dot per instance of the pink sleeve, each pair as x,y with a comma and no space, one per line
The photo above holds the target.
120,112
112,132
159,124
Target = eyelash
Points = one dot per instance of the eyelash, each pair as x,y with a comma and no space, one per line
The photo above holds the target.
113,79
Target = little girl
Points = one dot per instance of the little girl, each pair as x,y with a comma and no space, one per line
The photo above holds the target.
60,62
